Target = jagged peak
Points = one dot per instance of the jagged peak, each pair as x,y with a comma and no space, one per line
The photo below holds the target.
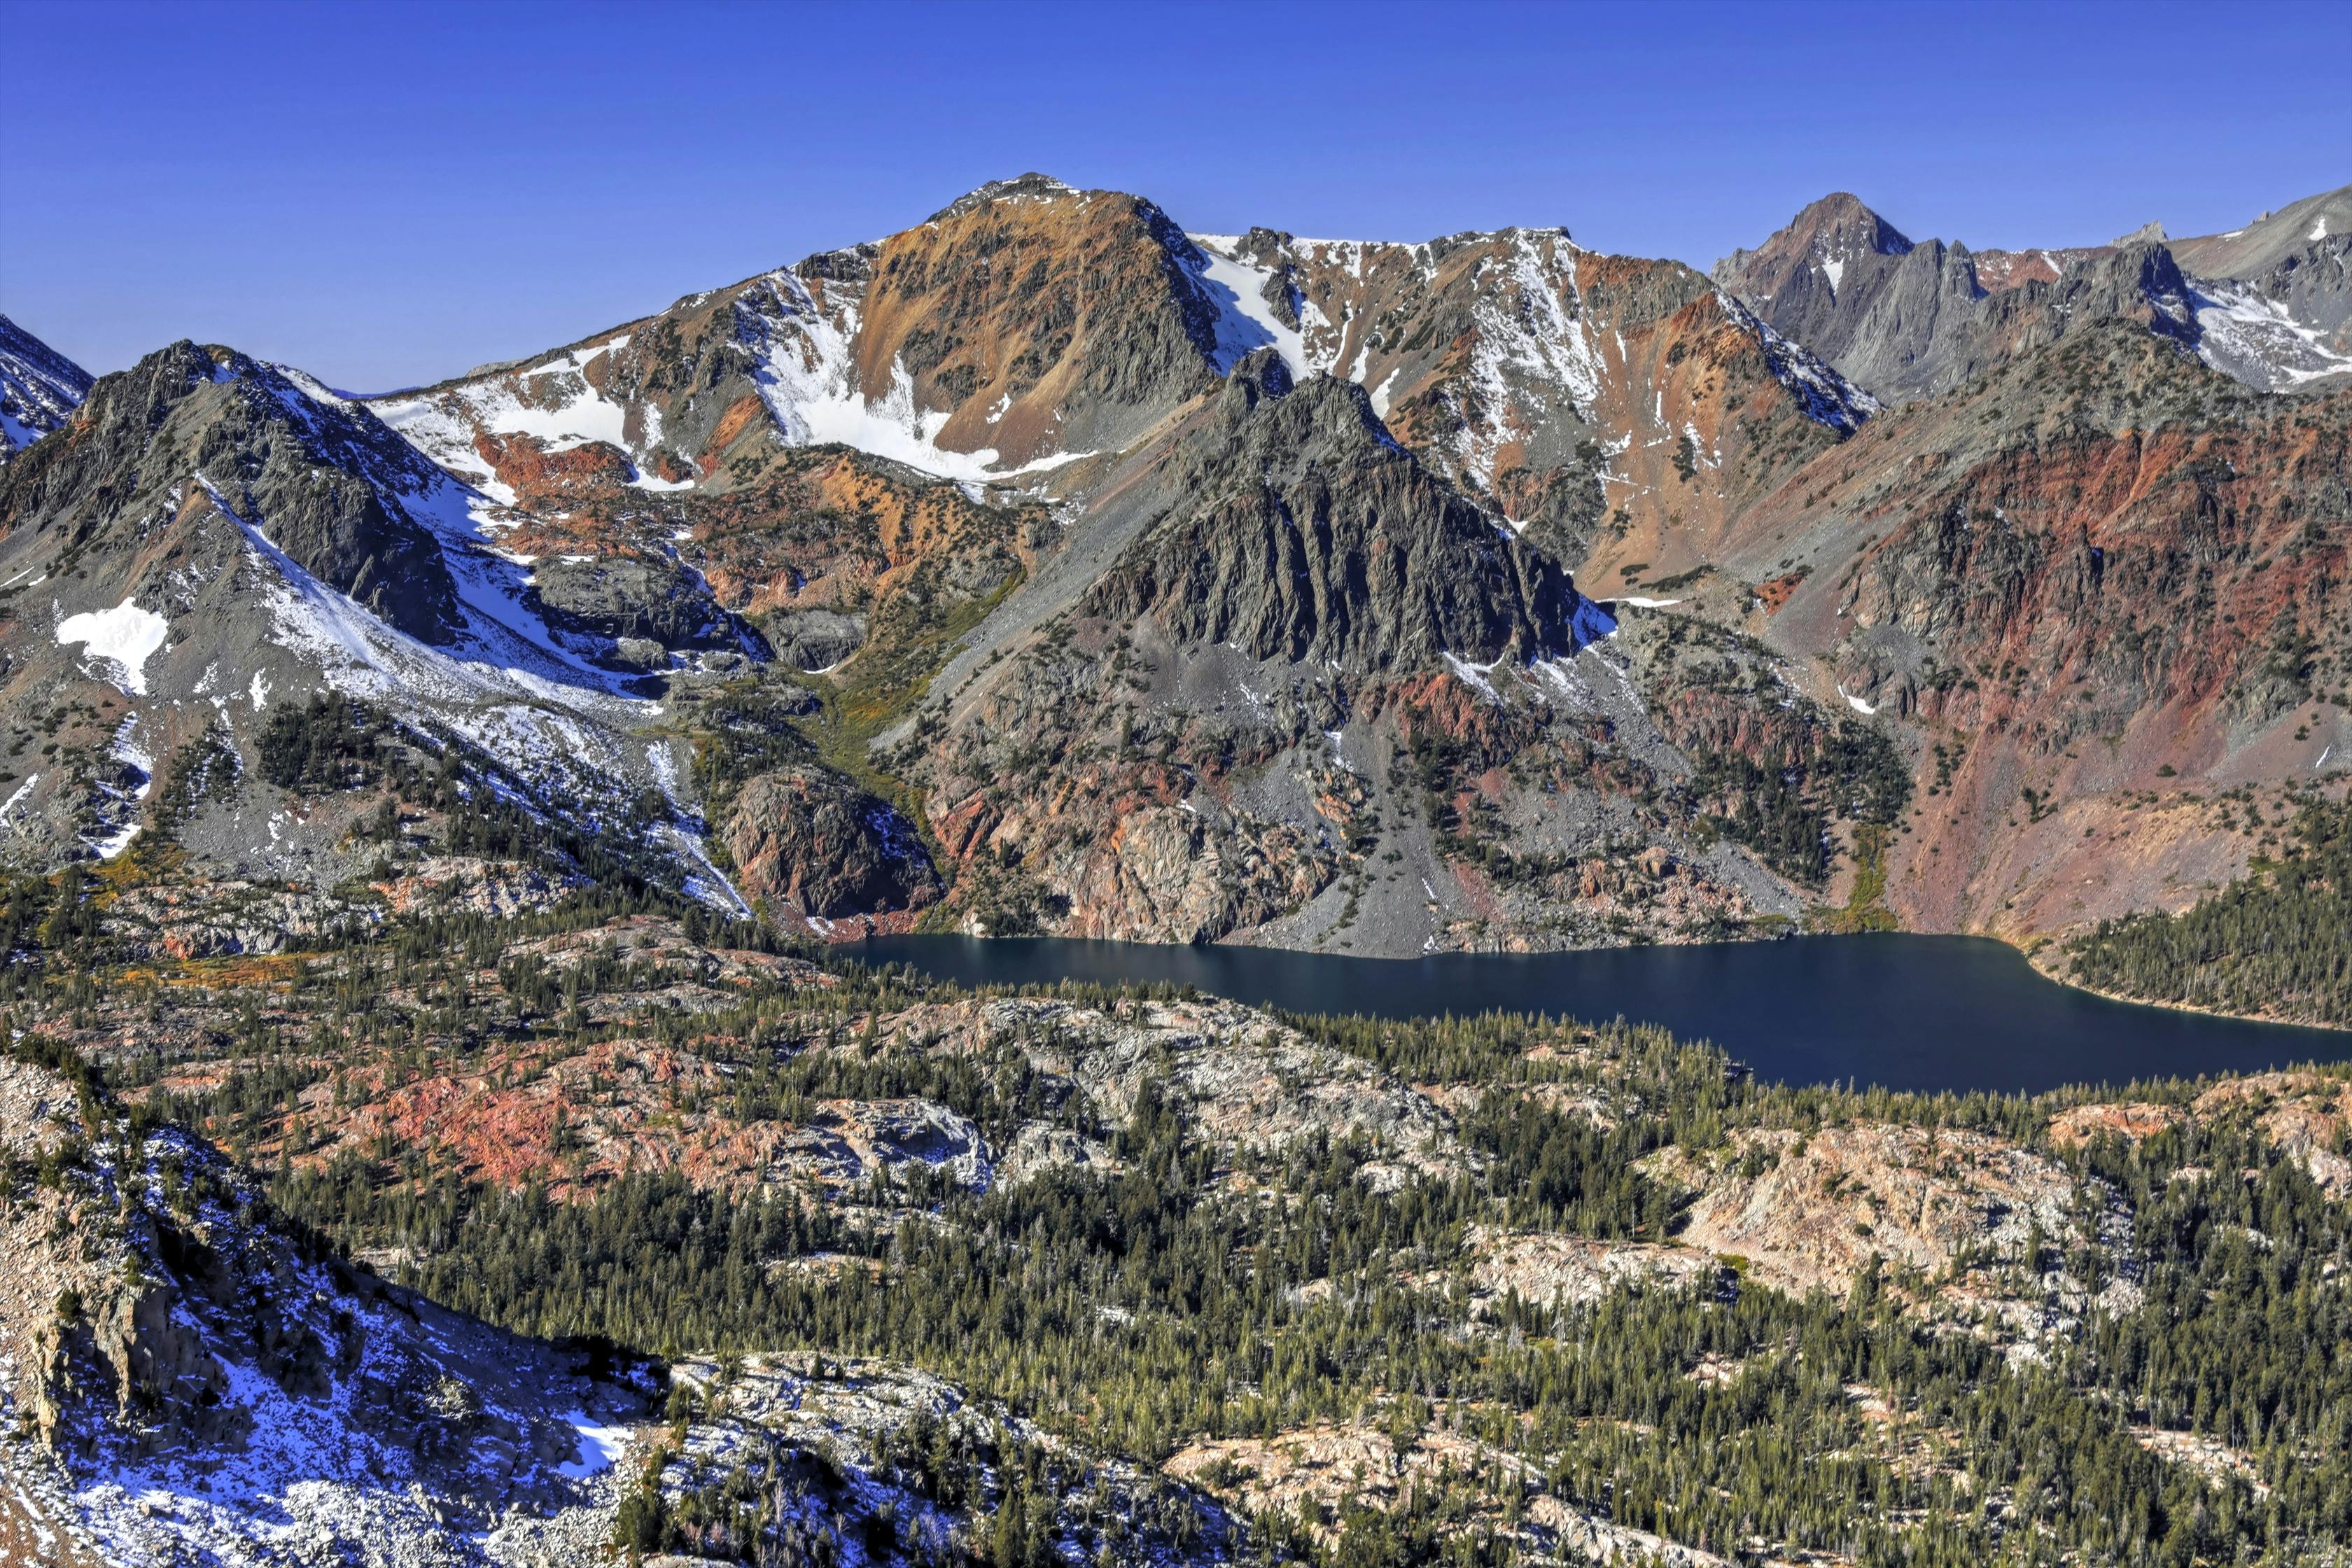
1032,186
2149,233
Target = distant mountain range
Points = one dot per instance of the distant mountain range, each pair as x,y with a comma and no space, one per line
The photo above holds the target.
1044,566
2267,303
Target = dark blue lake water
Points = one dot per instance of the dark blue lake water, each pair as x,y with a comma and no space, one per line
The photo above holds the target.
1907,1012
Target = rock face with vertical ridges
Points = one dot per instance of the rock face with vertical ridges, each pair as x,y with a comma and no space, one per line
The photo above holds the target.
1298,530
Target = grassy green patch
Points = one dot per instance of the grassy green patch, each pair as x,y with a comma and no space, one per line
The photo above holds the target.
1866,905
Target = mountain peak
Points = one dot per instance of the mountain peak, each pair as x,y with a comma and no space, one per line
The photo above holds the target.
1825,233
1842,216
1032,186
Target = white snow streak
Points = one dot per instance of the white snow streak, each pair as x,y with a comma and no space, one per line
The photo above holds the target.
2239,329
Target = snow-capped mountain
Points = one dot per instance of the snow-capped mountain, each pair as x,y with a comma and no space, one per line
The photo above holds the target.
1030,330
748,598
39,387
956,348
534,578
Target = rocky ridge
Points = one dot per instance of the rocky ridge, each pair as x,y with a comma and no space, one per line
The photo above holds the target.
198,1381
2266,304
39,387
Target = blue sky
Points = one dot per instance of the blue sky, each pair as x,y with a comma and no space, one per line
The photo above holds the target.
385,194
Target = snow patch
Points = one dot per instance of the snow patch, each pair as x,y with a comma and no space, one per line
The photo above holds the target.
2245,334
1245,323
600,1447
808,379
1475,676
125,636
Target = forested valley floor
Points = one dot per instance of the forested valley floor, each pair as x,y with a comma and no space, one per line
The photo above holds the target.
1467,1291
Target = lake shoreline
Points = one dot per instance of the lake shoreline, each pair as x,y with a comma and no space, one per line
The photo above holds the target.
1902,1011
2029,949
2033,956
